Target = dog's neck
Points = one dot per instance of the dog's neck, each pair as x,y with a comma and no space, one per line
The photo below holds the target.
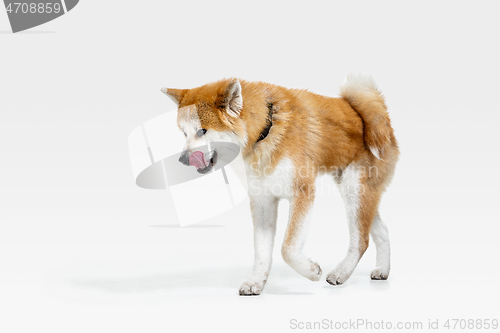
269,123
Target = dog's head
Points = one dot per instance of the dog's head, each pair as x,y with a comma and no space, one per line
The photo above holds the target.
210,113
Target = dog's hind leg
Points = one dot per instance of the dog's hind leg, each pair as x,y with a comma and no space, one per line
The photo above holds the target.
264,215
296,233
380,237
361,206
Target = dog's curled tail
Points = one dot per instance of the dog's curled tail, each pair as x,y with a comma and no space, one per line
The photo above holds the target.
363,95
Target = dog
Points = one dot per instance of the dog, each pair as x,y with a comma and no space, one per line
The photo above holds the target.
287,138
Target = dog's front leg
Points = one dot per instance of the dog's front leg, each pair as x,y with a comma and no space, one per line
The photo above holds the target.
296,232
264,214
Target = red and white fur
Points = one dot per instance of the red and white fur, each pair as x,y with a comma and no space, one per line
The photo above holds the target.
288,137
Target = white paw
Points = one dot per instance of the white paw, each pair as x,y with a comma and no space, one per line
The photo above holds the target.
251,288
337,277
315,272
379,274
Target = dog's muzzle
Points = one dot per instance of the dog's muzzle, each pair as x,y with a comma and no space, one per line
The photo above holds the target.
202,162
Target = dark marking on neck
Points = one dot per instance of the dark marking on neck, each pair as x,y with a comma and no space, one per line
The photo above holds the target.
269,122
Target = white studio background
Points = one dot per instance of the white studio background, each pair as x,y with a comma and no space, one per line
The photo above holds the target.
83,249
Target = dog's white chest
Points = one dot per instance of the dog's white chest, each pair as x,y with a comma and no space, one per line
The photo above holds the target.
276,183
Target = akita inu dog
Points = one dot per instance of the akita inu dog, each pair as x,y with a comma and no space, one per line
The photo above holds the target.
288,137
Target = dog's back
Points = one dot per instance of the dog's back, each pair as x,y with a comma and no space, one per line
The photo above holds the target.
329,132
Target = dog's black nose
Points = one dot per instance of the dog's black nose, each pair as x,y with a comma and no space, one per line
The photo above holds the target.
184,158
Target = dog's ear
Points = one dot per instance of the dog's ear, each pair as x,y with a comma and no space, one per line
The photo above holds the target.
175,95
233,99
230,103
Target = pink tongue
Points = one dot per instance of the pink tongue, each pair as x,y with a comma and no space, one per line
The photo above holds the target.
197,159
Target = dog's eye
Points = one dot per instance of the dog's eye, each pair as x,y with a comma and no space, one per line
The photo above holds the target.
201,132
185,134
